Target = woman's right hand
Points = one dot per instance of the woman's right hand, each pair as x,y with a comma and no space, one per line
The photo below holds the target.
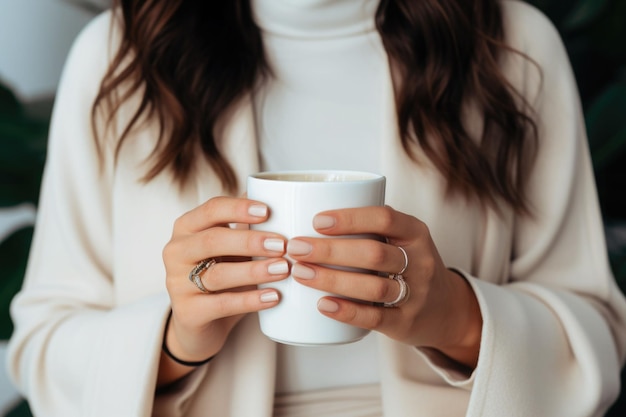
201,322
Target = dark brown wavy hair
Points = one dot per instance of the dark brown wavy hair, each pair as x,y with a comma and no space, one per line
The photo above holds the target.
190,62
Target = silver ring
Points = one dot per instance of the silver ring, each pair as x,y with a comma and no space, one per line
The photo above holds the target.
406,261
194,275
404,291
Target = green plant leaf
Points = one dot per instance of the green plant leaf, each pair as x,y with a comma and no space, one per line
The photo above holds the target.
21,409
23,143
606,124
9,105
584,13
13,261
611,150
607,35
618,264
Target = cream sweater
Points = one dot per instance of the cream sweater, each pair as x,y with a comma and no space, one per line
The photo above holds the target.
90,317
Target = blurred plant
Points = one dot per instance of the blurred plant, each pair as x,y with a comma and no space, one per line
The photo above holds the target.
22,155
23,144
23,148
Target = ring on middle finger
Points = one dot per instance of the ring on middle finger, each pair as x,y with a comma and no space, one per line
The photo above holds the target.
196,272
403,294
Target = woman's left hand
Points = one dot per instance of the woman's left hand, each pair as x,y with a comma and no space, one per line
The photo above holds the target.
441,310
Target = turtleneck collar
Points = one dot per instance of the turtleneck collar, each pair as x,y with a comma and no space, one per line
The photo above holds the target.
315,19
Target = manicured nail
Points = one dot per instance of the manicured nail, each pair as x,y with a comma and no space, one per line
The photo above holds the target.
269,297
278,268
298,247
275,245
327,306
323,222
257,210
303,272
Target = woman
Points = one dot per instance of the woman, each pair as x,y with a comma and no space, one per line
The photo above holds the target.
468,108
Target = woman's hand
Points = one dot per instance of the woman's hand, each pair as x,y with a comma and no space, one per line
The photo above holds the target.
441,311
201,321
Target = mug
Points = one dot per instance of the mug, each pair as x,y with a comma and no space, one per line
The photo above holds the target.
294,198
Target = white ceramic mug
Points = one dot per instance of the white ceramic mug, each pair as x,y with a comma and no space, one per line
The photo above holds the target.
294,198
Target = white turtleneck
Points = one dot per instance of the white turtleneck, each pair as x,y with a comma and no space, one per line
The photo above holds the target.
322,109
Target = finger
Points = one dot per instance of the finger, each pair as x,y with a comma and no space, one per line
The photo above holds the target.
221,211
198,312
361,315
348,284
382,221
222,241
225,276
227,304
357,253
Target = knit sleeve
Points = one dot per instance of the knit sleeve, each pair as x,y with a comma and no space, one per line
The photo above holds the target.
554,335
75,351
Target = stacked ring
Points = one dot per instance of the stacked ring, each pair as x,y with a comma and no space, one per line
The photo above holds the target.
403,296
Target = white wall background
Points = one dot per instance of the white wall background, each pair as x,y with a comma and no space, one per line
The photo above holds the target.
35,37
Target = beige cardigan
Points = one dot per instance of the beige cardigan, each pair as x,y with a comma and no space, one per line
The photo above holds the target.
89,319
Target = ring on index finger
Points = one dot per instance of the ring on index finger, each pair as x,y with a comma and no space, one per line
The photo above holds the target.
194,275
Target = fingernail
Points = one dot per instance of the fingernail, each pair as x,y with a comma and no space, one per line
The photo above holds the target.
257,210
269,297
298,247
327,306
278,268
323,222
275,245
303,272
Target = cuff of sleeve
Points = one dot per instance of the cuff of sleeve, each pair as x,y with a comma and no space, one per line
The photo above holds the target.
451,371
533,339
131,339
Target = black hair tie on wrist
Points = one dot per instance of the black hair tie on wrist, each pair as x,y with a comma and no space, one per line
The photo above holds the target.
171,355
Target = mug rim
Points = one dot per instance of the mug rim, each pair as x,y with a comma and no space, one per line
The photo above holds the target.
308,176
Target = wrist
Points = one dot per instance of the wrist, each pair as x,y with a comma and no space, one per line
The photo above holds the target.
464,329
178,360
